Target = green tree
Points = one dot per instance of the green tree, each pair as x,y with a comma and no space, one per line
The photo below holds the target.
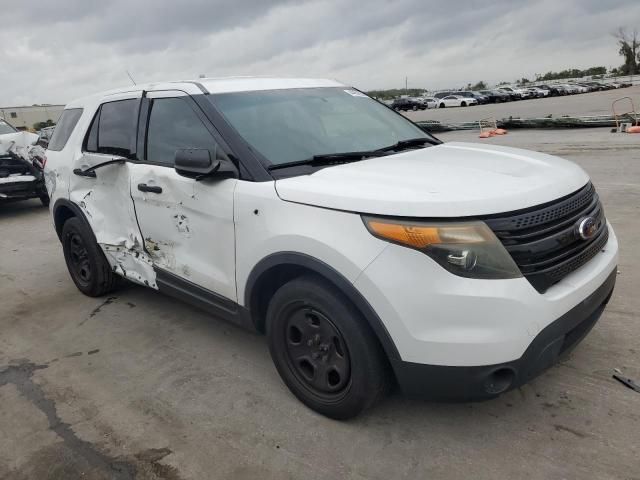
41,125
481,85
629,49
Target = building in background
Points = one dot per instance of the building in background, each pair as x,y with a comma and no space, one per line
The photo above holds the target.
24,118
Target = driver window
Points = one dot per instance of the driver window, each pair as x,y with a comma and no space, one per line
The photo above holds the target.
173,125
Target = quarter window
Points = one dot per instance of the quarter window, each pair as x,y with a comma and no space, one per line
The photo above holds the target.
174,125
66,123
113,130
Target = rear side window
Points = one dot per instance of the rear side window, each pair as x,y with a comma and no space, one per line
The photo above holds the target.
113,130
173,125
66,123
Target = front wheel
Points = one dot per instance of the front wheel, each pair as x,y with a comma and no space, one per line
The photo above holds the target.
323,350
463,104
442,105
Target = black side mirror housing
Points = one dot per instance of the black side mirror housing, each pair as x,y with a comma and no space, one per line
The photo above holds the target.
197,163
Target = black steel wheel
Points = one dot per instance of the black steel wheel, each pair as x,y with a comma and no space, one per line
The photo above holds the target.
323,349
85,261
78,258
316,351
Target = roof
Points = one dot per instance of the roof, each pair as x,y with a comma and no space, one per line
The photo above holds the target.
217,85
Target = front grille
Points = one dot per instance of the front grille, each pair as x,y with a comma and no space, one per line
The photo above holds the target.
544,241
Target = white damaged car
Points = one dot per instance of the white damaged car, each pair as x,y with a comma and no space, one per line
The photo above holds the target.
368,252
21,166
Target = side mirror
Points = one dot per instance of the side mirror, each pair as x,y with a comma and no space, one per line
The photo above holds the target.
197,163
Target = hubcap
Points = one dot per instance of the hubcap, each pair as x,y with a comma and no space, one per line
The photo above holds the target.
316,351
79,258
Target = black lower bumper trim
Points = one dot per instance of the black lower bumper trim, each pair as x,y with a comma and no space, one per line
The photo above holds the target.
444,383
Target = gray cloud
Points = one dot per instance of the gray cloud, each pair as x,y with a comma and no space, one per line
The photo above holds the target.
69,48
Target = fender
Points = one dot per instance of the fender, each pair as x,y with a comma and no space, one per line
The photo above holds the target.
59,220
345,286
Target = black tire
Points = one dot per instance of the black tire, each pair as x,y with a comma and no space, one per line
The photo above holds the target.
86,263
44,198
463,104
414,108
323,349
442,105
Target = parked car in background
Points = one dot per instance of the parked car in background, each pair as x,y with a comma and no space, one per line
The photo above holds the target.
570,89
481,99
21,165
442,94
582,88
597,86
405,104
429,102
45,134
553,90
496,96
538,92
456,101
517,93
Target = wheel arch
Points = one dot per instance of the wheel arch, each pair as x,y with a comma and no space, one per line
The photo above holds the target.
63,210
276,269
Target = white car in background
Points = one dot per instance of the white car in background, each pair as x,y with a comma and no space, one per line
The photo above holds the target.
539,92
581,88
521,92
456,101
429,102
570,89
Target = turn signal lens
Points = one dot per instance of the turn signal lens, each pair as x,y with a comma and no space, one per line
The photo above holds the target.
421,236
468,249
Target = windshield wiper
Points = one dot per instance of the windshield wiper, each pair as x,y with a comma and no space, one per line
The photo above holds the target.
411,142
329,158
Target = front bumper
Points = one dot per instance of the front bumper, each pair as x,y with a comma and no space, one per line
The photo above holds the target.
438,382
436,318
21,187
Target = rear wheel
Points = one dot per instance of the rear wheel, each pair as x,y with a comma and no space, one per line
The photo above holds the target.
442,105
463,104
323,350
86,263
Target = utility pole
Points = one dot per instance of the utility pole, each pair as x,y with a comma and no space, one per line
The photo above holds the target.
406,84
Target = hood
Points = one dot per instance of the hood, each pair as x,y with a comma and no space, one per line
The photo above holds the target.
11,141
450,180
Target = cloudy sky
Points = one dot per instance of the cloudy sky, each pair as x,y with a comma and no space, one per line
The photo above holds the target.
63,49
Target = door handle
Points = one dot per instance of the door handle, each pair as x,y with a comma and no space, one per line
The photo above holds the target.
143,187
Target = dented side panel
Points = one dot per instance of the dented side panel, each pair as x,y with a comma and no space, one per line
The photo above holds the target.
108,207
188,228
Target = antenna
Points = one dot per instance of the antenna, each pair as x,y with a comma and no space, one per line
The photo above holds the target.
130,77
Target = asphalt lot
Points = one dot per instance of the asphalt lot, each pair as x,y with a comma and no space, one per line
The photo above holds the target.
138,385
593,103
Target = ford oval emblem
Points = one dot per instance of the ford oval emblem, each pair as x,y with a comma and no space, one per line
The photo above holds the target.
587,228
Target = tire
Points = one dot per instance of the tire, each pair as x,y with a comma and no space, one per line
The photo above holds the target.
442,105
323,349
85,261
463,104
45,200
414,108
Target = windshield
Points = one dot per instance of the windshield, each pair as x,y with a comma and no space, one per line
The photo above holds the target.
297,124
6,128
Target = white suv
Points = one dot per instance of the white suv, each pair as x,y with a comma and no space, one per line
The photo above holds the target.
366,250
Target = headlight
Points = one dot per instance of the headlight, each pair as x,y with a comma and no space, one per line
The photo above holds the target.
467,249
